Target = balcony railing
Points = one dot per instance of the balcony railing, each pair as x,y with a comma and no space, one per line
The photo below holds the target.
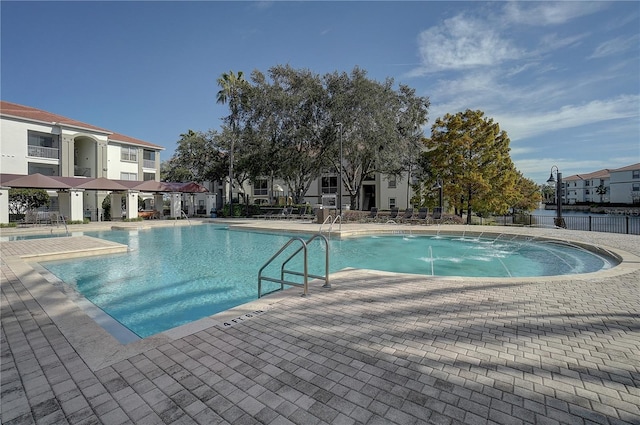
81,171
42,152
622,223
149,163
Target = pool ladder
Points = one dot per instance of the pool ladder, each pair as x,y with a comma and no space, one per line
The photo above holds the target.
305,273
331,222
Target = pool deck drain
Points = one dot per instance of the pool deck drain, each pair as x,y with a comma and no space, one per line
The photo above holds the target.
375,348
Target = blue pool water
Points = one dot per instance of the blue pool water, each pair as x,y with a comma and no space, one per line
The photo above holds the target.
176,275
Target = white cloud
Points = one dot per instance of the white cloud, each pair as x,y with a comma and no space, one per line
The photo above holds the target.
613,47
539,169
462,43
522,126
548,13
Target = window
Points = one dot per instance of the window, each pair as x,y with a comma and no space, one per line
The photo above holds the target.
635,187
392,202
43,145
329,184
587,183
392,182
47,170
128,154
260,187
128,176
635,174
587,192
148,159
149,176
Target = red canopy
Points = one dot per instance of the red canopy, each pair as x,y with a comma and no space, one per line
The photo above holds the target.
36,181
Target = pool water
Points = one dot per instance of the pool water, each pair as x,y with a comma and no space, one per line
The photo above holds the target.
176,275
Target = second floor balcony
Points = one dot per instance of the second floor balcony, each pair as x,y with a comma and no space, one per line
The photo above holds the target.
42,152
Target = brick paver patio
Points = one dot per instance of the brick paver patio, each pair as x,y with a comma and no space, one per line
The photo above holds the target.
376,348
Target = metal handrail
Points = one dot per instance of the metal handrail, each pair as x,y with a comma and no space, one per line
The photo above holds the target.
185,216
66,229
281,281
329,218
334,222
305,274
326,262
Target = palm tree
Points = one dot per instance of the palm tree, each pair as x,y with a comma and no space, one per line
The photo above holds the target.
231,92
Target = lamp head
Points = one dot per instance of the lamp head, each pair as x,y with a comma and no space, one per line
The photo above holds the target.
551,180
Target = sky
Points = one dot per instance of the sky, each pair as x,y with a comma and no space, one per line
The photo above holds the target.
561,78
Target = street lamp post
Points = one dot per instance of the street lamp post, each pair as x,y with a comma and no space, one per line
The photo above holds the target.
559,221
438,186
231,178
340,178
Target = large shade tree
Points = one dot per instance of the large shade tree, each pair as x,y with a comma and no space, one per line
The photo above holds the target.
290,118
380,128
470,154
196,158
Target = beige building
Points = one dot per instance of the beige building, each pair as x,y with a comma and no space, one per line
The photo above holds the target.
33,141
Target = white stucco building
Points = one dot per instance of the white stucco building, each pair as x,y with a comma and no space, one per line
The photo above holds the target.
33,141
616,186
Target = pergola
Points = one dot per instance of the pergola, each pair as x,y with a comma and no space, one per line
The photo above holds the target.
69,191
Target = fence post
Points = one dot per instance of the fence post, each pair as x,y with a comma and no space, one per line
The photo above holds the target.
589,223
626,221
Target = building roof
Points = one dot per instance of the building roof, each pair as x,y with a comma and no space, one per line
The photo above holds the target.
600,174
37,115
628,167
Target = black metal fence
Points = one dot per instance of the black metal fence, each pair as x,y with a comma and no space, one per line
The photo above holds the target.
628,224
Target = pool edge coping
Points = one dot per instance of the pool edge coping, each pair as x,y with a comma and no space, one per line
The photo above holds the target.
99,349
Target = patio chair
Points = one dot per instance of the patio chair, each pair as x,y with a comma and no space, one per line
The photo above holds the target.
394,213
373,214
437,213
423,216
407,216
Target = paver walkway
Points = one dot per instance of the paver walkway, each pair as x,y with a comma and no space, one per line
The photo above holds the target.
377,348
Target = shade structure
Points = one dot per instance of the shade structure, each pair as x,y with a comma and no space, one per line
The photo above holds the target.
37,181
152,186
191,187
102,184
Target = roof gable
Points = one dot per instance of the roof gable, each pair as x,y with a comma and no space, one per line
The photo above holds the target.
33,114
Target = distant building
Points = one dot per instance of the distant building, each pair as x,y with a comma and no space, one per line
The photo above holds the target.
617,186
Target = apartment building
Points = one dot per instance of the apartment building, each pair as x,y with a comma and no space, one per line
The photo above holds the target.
36,141
617,186
381,191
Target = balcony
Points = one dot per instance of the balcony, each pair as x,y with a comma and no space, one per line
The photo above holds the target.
42,152
81,171
149,163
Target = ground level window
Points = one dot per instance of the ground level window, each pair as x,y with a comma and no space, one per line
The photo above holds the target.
392,202
260,187
329,184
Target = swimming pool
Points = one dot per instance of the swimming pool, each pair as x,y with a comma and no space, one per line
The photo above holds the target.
176,275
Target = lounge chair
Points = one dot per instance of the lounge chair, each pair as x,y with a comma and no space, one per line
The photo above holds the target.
423,216
394,213
266,215
373,214
407,216
437,213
